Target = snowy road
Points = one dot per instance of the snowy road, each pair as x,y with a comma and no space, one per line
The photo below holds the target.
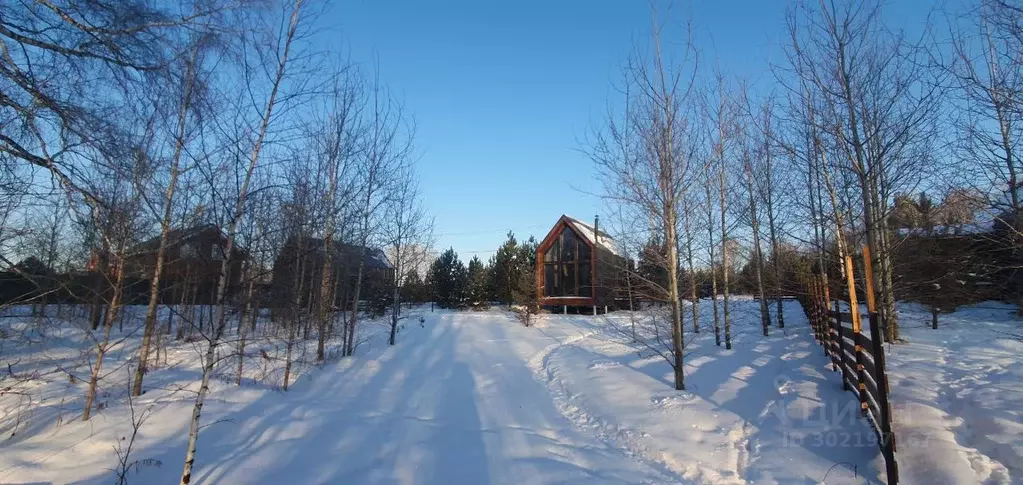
459,406
476,398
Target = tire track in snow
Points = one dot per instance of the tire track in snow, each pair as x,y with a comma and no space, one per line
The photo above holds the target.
740,438
538,362
627,441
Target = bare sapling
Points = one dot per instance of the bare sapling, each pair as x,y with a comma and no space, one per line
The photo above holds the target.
285,44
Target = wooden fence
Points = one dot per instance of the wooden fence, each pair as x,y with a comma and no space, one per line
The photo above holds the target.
859,357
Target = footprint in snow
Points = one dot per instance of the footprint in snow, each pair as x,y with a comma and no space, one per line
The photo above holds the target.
603,364
784,384
795,355
673,401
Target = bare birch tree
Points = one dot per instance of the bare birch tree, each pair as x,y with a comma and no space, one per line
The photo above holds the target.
387,150
117,220
879,101
645,160
987,72
722,113
688,213
708,201
753,215
407,231
772,206
337,143
188,76
67,70
282,46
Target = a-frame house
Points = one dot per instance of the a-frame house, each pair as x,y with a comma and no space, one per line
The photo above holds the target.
577,267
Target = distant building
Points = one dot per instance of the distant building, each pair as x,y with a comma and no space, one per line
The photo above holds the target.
298,273
192,262
578,266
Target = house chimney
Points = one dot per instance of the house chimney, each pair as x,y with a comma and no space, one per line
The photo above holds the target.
596,229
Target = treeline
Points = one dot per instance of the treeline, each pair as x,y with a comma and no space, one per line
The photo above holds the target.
713,181
507,278
198,149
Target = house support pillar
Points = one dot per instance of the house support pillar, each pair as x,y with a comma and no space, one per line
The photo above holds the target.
594,310
564,309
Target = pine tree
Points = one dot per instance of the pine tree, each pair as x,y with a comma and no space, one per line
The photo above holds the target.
653,277
448,280
527,255
477,292
503,270
413,289
460,283
523,287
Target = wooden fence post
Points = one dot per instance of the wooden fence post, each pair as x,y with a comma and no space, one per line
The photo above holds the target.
830,321
885,418
854,311
825,314
811,299
822,313
868,279
835,342
854,306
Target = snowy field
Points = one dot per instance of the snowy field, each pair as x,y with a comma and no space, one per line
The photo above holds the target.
476,398
957,395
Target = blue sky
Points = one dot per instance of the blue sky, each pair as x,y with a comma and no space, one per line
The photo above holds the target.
504,92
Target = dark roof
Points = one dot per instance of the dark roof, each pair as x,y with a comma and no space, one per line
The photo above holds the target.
375,258
372,258
176,236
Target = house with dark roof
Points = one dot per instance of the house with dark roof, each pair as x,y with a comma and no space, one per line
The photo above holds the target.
578,266
298,274
192,263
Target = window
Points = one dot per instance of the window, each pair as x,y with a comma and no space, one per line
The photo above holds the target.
188,251
568,279
567,266
584,276
550,277
552,254
216,252
568,245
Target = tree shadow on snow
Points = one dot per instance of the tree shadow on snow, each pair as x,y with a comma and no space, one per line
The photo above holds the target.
406,416
785,393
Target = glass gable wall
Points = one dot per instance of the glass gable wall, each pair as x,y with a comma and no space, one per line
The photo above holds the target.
566,266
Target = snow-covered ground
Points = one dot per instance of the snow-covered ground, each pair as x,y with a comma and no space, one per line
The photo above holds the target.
957,395
476,398
766,411
46,365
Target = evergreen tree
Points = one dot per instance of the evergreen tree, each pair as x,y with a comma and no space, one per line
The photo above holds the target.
527,255
523,288
460,276
905,213
477,292
413,290
503,270
652,271
448,279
